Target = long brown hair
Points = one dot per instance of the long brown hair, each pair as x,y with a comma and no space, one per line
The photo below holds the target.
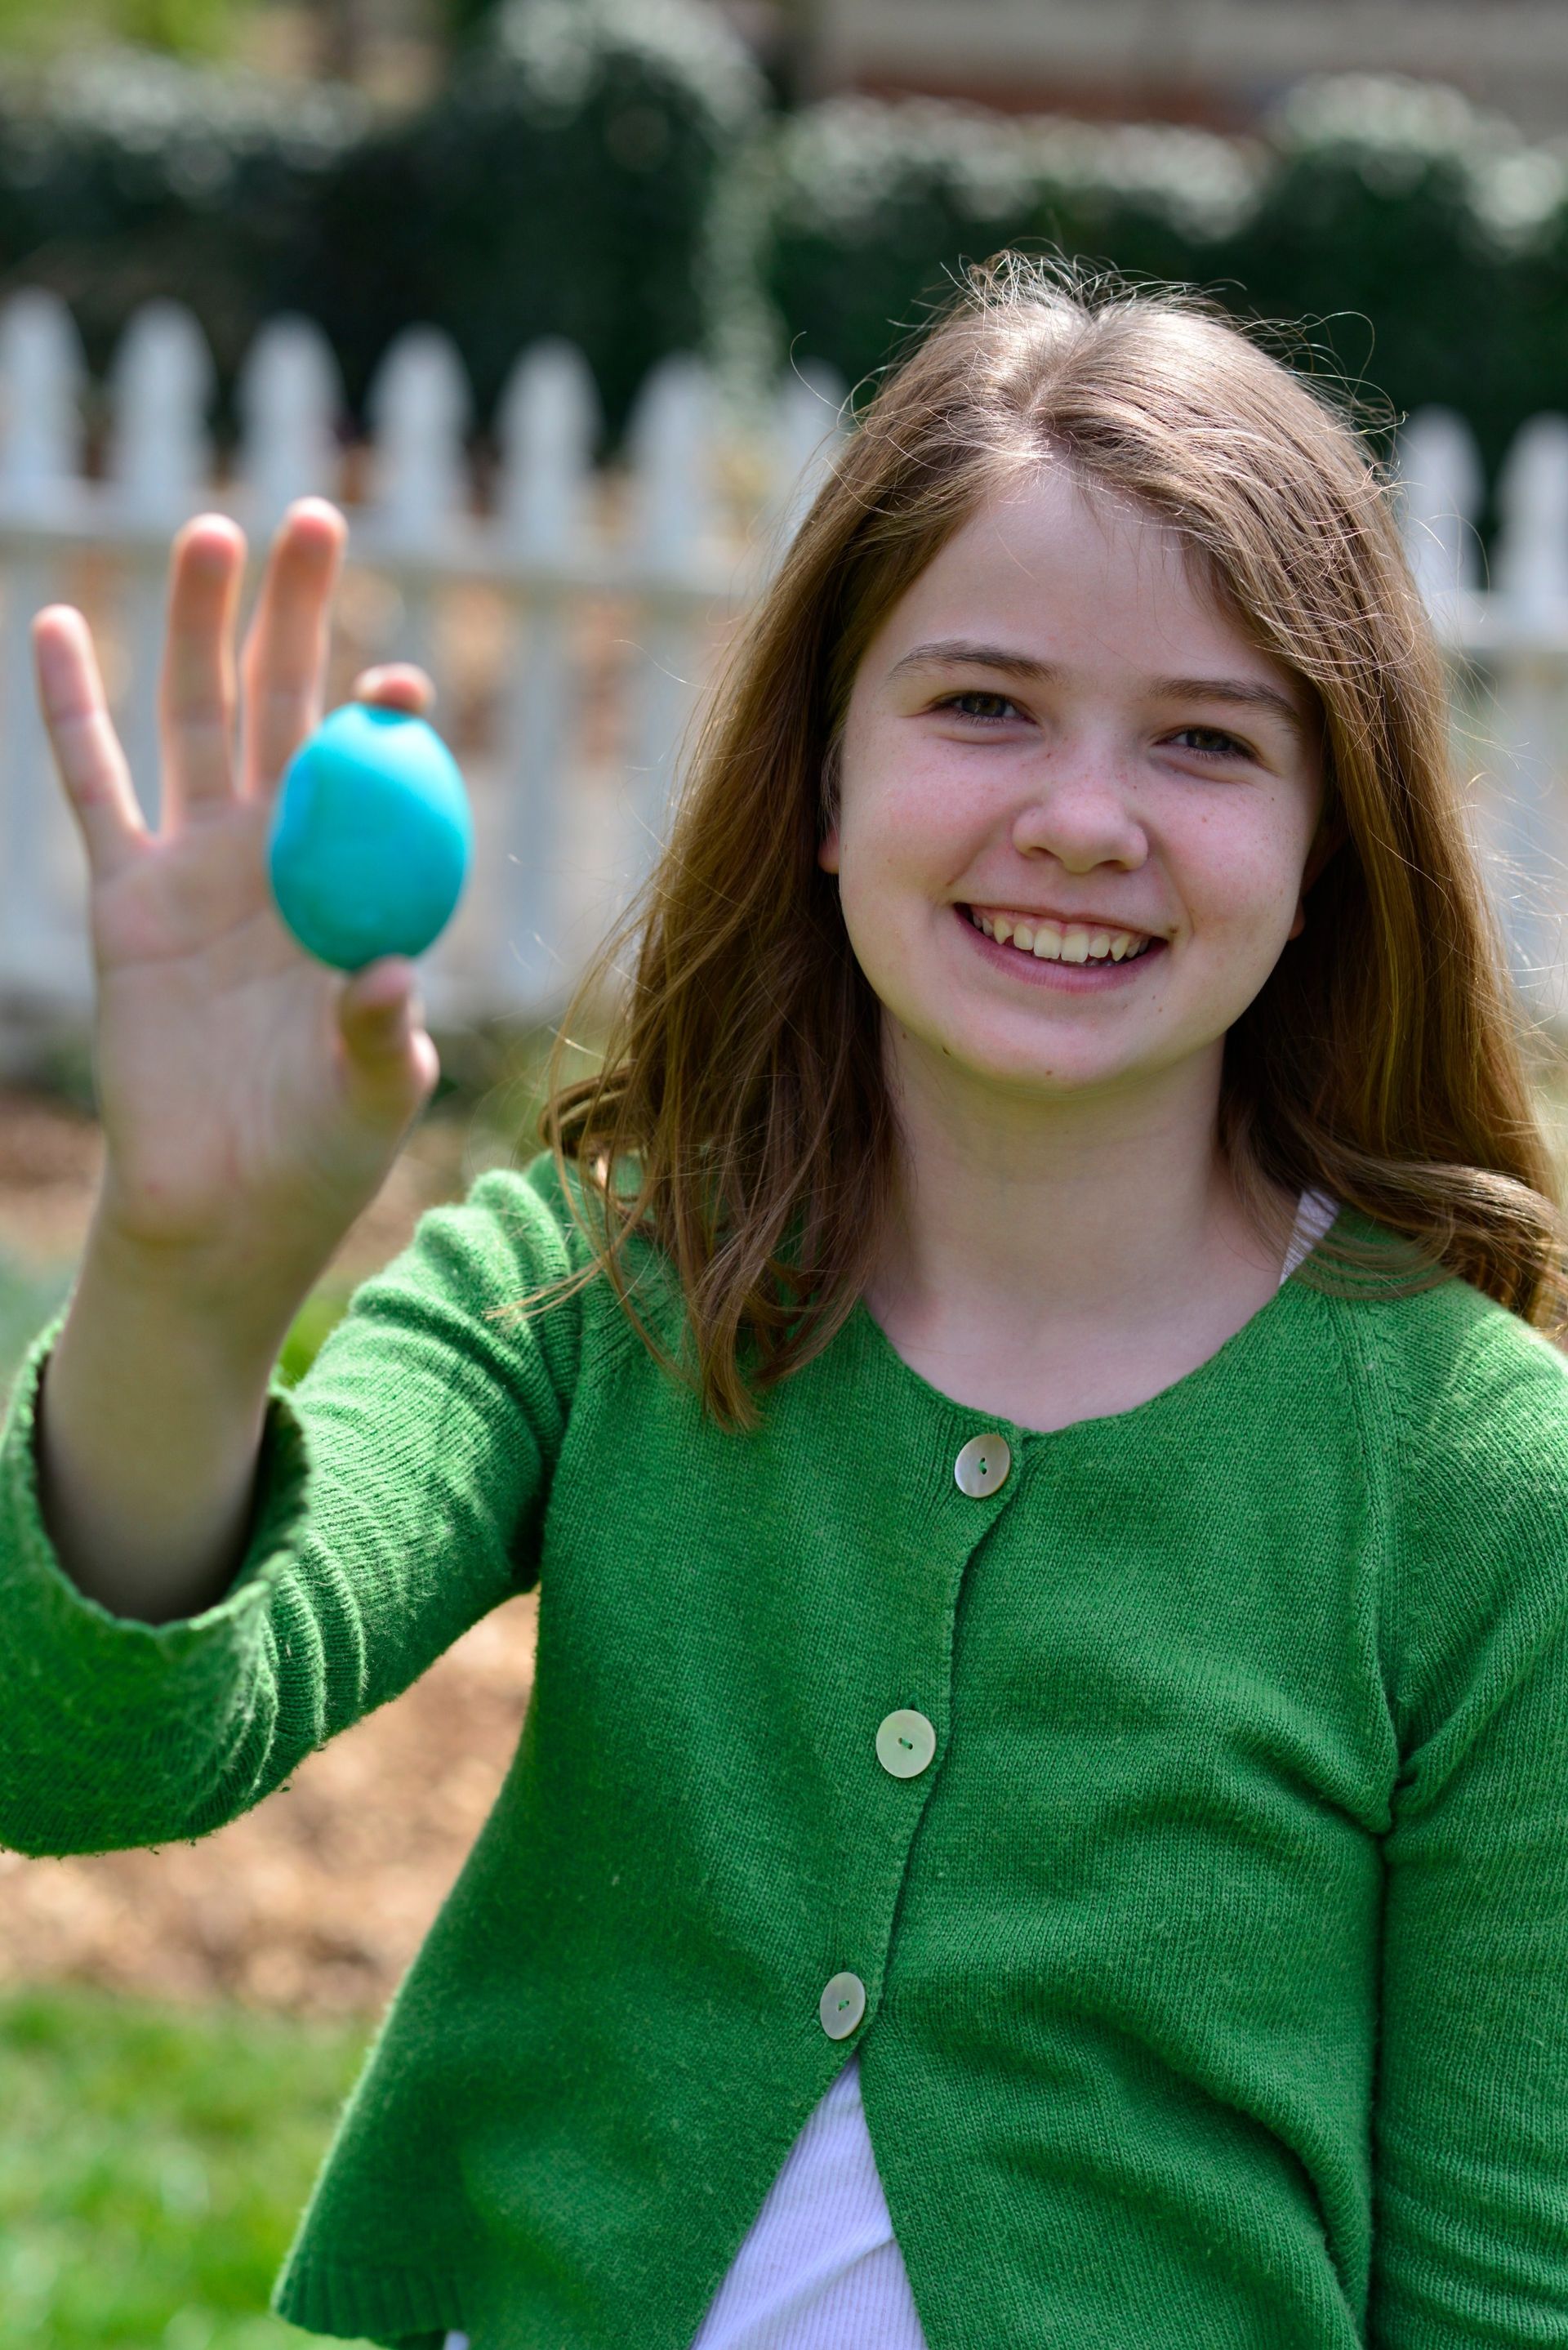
740,1120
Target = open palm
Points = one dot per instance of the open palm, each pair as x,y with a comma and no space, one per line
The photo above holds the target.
252,1101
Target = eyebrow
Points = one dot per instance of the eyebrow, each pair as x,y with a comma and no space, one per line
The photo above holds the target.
1242,693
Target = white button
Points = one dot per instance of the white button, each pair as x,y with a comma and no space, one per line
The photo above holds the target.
906,1743
983,1465
842,2005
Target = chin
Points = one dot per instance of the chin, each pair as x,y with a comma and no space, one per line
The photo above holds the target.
990,1062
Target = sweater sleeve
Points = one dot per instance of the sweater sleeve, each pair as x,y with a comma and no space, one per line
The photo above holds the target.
399,1495
1470,2125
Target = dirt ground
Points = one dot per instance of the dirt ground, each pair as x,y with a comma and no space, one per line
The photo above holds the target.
317,1901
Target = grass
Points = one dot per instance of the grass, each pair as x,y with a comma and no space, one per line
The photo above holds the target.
28,1298
153,2164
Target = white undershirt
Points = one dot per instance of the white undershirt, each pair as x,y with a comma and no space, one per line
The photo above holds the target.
820,2268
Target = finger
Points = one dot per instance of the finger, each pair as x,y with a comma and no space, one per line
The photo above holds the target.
92,766
286,651
196,701
391,1063
381,989
396,686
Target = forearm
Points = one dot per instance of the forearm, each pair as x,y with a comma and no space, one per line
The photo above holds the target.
148,1431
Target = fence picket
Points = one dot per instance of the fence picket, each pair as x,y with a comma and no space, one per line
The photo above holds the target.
548,422
419,407
289,395
41,377
1528,759
808,426
1531,564
1440,492
158,461
670,527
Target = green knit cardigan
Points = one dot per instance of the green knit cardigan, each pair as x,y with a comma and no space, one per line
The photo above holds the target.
1215,1968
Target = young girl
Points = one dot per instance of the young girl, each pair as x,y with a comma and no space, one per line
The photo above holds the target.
1021,1385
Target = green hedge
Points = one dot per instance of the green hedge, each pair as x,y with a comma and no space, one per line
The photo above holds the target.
1424,243
608,170
873,206
126,176
561,182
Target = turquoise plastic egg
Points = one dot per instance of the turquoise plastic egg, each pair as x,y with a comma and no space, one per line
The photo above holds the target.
370,838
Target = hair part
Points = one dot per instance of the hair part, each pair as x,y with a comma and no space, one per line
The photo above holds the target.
740,1120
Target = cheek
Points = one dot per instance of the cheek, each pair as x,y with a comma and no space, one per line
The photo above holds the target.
886,906
1239,880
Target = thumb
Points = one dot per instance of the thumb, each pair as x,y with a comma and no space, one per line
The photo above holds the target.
380,1013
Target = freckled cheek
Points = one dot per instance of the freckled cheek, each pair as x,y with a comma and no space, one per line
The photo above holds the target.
1239,898
905,842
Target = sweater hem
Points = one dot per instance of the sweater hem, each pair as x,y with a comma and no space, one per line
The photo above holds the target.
401,2309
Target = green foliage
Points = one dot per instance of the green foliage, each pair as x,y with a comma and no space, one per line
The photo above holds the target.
1430,240
195,29
153,2163
877,207
1424,242
609,170
124,176
29,1297
321,1314
560,184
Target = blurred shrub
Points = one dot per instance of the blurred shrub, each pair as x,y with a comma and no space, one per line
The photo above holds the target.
1430,238
30,1295
607,170
561,183
311,1327
1426,243
125,175
874,204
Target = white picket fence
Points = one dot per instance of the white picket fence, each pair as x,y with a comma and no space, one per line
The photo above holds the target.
570,618
595,604
1502,615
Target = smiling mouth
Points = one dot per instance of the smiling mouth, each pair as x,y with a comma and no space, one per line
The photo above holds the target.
1071,943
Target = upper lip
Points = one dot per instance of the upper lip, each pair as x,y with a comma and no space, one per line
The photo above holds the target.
1066,921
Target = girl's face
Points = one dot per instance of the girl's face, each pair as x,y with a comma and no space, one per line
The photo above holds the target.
1057,730
1074,802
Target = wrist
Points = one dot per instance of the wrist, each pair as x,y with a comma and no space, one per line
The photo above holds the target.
236,1316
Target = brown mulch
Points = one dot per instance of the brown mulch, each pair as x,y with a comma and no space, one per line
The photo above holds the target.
316,1901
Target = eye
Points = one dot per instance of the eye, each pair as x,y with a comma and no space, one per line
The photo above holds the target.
979,717
1230,748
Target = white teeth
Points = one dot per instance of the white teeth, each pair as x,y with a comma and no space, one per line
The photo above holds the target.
1050,943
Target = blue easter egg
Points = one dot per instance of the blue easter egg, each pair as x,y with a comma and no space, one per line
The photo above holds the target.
370,838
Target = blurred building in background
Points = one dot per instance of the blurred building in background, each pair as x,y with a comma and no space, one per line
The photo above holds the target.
1219,62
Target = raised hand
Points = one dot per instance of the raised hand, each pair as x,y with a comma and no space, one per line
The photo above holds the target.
252,1101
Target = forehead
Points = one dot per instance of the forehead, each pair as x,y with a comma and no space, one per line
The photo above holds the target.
1083,573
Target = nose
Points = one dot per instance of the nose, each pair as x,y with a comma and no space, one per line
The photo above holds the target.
1079,810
